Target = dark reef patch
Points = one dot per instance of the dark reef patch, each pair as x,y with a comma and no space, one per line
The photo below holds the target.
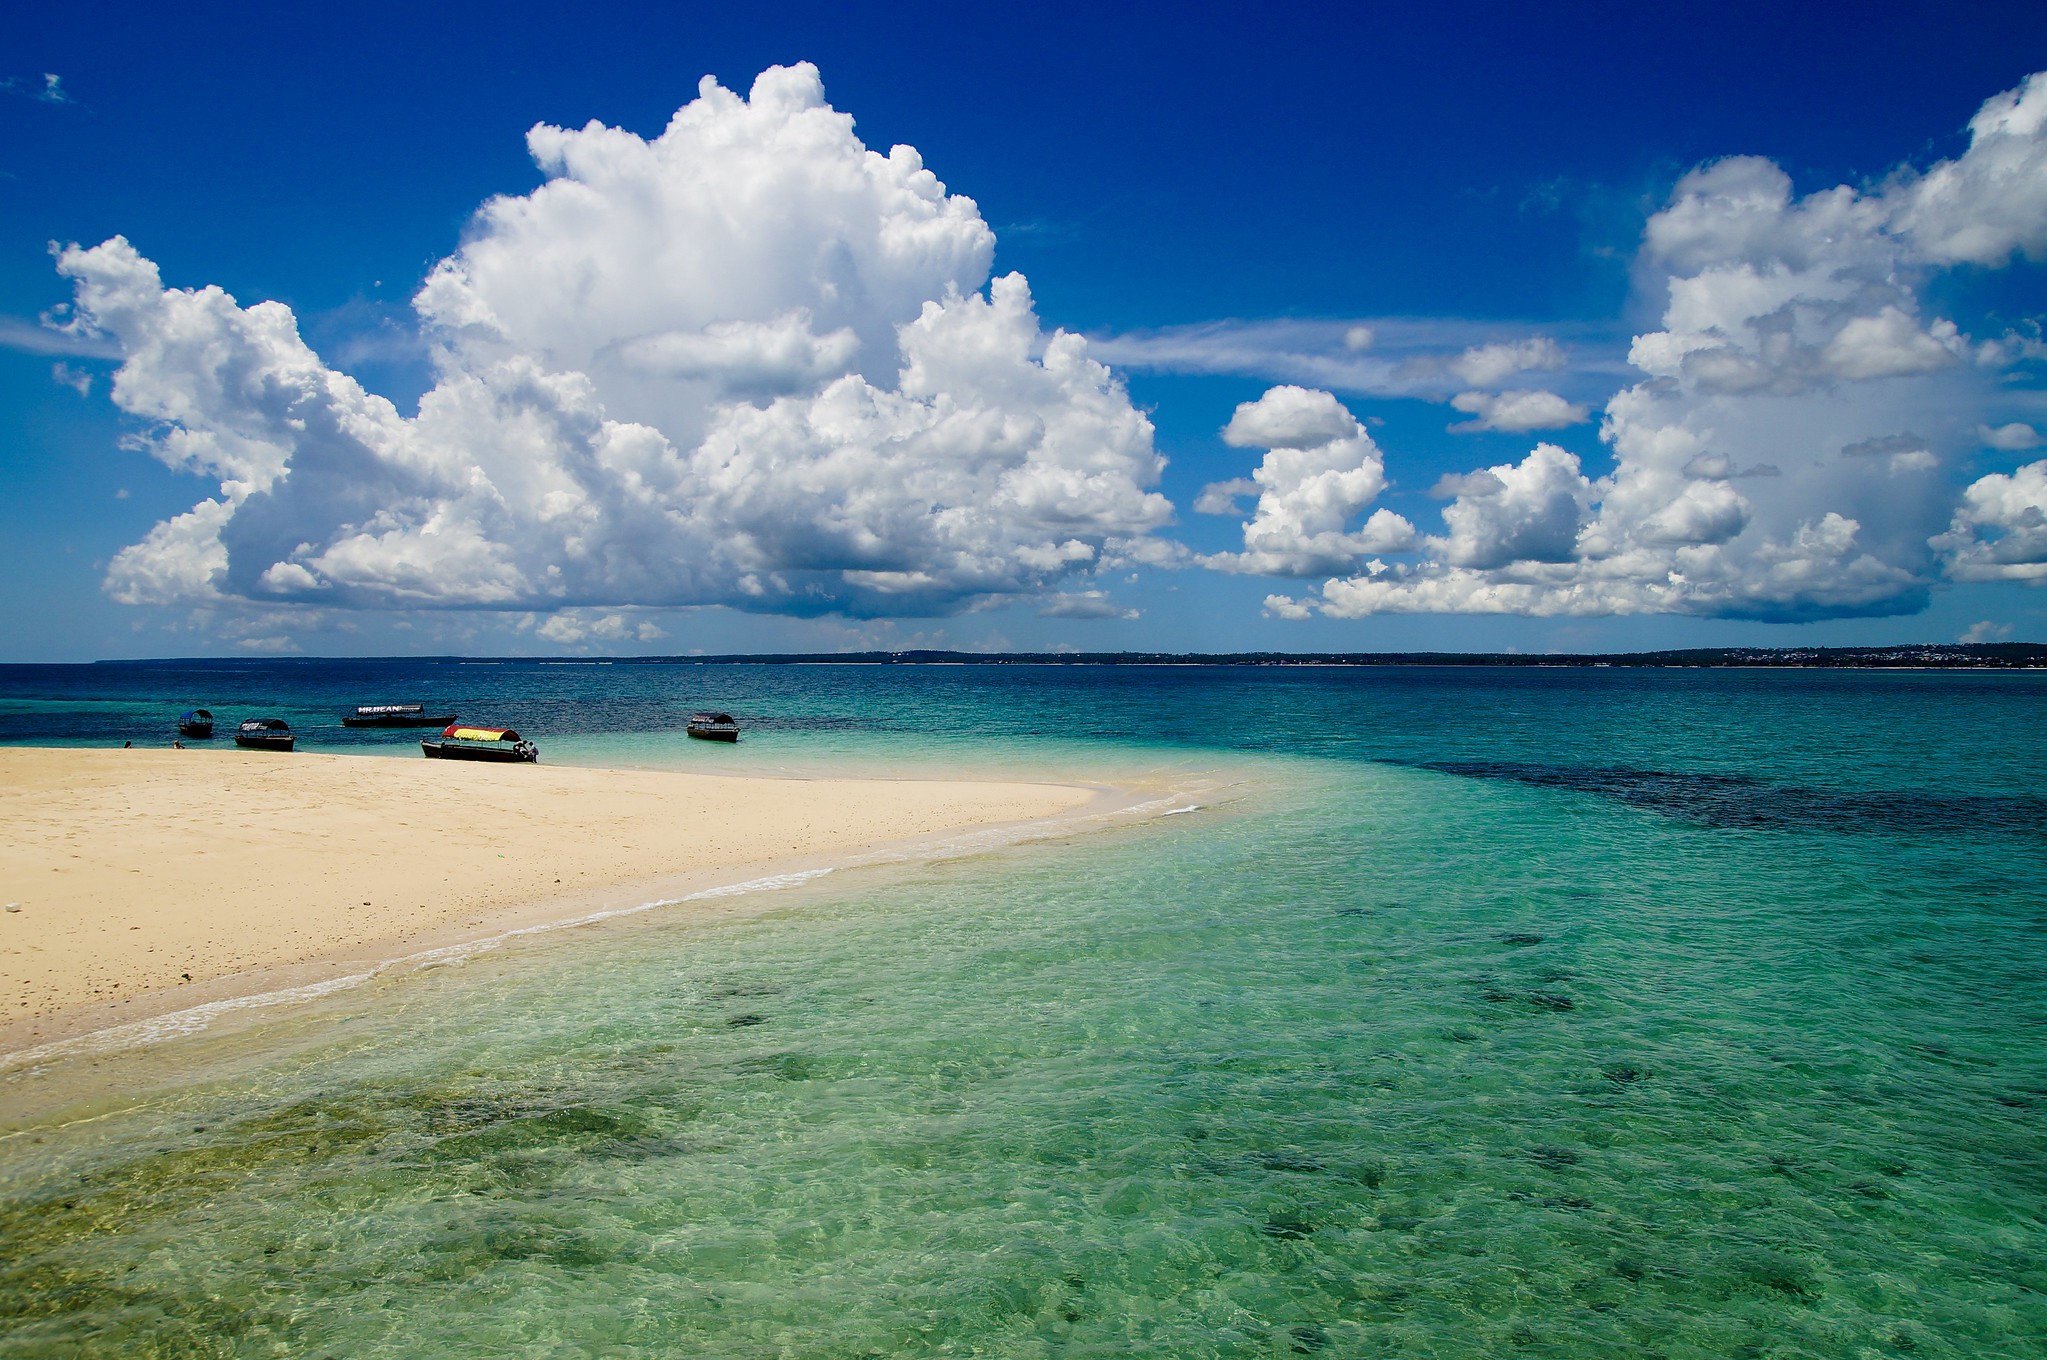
1307,1339
1743,802
1772,1273
1287,1227
1495,994
786,1066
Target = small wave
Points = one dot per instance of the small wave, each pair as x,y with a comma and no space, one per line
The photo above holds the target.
177,1024
193,1020
1150,808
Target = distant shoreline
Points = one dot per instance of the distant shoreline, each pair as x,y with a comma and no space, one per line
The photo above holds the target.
1996,656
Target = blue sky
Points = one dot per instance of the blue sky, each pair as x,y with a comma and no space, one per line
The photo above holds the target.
1304,243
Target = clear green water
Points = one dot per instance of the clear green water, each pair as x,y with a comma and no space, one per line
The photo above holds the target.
1683,1016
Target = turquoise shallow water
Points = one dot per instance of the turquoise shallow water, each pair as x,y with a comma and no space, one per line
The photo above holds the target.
1569,1014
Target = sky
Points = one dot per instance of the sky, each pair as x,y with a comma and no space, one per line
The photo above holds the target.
668,329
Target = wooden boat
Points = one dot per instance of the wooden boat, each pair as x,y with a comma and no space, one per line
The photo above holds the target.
458,742
197,722
265,734
396,715
708,726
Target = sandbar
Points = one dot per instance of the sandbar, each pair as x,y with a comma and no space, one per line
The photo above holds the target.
134,878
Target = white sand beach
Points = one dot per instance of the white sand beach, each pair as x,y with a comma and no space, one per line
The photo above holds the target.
137,881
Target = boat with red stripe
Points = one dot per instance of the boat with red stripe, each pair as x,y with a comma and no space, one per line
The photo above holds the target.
461,741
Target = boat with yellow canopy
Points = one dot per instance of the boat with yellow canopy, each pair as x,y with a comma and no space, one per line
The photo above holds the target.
460,741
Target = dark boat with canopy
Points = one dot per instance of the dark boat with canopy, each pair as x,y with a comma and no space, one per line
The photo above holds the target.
265,734
197,722
396,715
458,742
709,726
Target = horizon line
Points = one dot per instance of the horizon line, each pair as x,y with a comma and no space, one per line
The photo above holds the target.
1975,651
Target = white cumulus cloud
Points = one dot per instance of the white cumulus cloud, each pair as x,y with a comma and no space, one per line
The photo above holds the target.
748,361
1490,365
2010,438
1516,412
1999,531
1986,630
1320,470
1795,341
1993,201
1223,498
576,627
1889,345
1085,604
1289,417
1531,511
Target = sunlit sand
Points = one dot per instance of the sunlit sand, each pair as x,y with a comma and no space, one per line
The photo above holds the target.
136,880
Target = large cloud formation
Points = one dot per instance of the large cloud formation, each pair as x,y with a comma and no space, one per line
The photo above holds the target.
747,362
1795,444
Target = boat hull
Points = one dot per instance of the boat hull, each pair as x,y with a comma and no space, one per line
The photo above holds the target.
195,729
523,753
714,733
265,743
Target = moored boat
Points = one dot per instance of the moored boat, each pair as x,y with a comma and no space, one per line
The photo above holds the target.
265,734
710,726
458,742
197,722
396,715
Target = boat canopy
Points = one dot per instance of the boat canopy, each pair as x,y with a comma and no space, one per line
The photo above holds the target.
378,710
266,725
709,717
196,713
457,732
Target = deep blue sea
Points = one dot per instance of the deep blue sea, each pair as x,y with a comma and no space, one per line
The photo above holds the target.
1483,1012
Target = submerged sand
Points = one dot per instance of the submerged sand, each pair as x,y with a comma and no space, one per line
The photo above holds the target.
147,875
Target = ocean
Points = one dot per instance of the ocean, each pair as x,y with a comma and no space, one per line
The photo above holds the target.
1474,1012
